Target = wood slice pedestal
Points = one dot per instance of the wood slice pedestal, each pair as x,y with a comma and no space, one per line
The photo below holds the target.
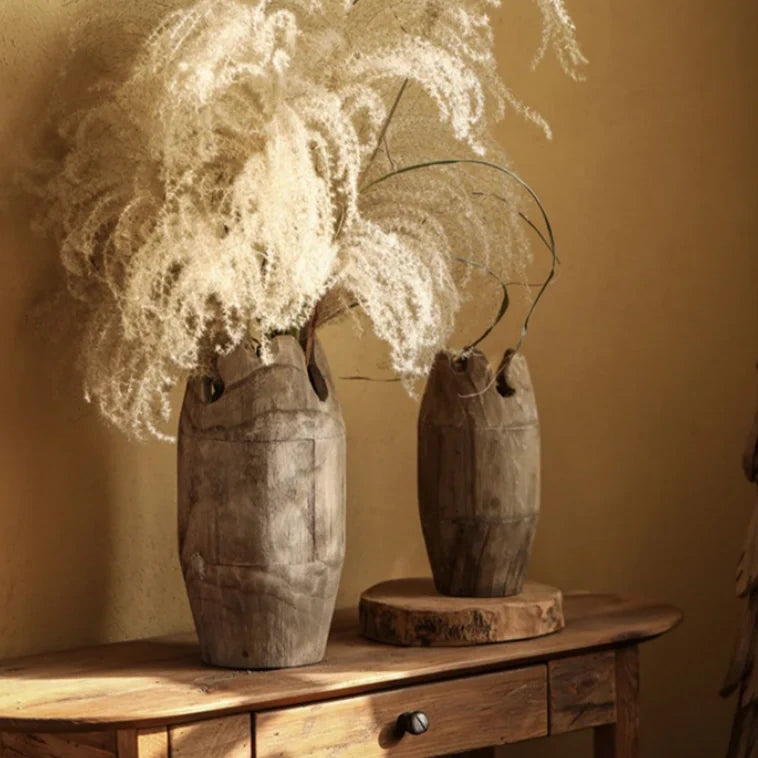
411,612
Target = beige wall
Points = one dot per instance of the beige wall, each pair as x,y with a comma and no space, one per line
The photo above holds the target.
643,359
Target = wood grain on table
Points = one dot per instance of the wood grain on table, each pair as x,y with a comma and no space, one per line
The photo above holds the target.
162,681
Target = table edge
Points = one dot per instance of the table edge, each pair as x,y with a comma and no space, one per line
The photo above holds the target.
670,618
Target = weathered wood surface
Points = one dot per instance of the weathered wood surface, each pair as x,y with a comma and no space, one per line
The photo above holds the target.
412,612
143,743
478,476
582,691
162,681
85,745
742,675
622,738
492,709
262,508
228,737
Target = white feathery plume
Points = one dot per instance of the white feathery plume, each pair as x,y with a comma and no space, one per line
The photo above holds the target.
227,184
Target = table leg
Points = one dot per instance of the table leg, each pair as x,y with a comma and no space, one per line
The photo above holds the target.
143,743
622,739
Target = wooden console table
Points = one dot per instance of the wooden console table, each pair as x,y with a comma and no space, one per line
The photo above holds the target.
154,699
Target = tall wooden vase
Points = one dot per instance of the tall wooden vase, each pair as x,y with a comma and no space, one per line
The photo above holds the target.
478,475
262,507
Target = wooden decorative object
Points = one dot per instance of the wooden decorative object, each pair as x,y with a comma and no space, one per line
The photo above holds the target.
411,612
262,507
478,475
742,676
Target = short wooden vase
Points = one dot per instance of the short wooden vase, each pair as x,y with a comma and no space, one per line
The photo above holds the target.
262,507
478,475
479,498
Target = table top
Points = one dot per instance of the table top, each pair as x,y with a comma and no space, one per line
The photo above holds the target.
162,681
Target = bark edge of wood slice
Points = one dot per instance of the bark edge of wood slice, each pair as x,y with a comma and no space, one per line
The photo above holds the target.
411,612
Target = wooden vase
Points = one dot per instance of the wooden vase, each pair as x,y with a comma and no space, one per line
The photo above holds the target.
478,475
262,507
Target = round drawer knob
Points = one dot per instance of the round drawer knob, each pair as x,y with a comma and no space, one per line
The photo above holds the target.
412,722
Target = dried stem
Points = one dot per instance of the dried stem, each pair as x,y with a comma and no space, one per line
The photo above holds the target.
385,126
501,312
548,240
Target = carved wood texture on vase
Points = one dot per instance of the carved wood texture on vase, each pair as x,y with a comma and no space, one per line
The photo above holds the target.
478,476
262,507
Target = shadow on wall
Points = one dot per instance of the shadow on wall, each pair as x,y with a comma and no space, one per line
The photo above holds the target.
54,544
57,456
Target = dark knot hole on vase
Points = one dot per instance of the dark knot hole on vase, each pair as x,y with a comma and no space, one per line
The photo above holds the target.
460,363
504,388
318,382
212,389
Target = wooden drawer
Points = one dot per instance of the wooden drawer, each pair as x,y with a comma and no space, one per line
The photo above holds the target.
464,714
582,692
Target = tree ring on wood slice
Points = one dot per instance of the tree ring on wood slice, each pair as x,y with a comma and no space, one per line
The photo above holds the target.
411,612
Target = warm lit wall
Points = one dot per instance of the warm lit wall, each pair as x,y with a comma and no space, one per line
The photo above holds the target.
643,359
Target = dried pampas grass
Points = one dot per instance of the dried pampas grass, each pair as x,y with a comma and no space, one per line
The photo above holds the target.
227,184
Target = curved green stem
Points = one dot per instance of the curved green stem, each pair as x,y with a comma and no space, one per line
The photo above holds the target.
549,241
503,305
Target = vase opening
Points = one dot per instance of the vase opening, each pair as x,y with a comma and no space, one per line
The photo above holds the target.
212,389
318,382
